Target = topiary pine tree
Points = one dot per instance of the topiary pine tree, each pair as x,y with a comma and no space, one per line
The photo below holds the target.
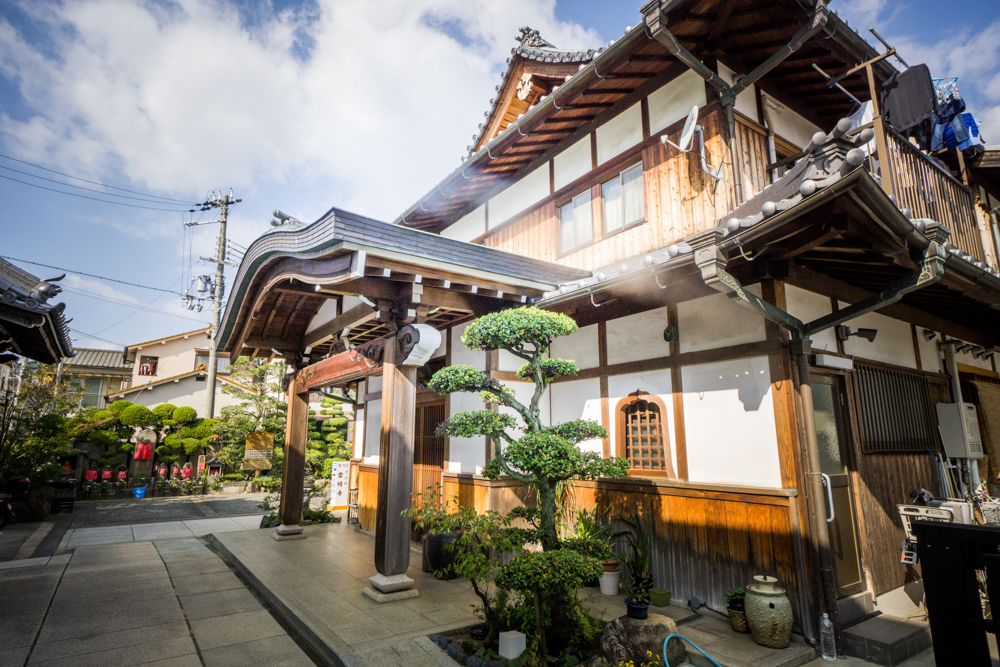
544,455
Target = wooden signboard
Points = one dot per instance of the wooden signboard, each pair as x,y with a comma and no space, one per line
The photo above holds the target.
259,450
339,483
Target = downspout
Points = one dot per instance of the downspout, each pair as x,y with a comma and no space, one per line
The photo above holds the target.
656,23
772,153
712,262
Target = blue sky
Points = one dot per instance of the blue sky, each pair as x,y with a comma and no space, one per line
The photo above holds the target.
297,105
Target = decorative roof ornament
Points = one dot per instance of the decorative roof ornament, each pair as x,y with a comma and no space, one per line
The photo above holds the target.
531,39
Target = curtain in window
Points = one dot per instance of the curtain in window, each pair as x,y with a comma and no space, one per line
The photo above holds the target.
91,392
567,234
612,194
583,219
635,206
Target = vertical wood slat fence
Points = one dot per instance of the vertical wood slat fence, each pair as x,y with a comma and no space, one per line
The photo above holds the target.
930,192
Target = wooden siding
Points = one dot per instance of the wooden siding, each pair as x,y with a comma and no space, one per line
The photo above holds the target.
752,142
680,200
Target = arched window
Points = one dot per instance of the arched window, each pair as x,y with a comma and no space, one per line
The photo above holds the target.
641,435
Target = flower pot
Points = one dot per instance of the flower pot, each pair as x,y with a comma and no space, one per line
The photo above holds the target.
639,611
610,581
738,620
768,613
438,554
659,597
611,565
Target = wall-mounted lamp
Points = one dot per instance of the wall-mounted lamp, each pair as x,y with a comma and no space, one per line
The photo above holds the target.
962,347
670,334
983,353
844,332
929,335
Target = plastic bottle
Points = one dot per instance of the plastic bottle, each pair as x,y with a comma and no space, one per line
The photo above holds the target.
827,642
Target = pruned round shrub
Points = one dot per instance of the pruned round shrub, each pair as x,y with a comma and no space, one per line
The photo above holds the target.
137,416
165,411
118,406
513,328
184,415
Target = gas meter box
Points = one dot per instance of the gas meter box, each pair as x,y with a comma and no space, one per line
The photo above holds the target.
959,426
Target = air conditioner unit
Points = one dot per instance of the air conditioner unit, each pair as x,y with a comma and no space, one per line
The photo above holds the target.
959,428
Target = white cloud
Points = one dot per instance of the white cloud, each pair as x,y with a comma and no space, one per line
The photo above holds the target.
95,287
180,98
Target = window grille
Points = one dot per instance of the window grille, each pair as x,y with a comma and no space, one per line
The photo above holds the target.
624,200
644,446
221,362
895,412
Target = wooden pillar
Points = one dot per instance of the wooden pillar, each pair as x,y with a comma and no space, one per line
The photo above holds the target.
293,473
395,469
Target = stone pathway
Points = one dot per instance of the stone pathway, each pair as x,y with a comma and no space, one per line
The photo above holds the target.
139,532
170,603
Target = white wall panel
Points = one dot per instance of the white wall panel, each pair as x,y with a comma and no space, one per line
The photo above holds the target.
637,337
653,382
359,434
969,360
373,418
809,306
466,454
577,399
580,347
892,345
930,355
715,321
463,356
619,134
508,362
572,163
531,189
790,125
673,101
746,102
729,423
326,312
468,227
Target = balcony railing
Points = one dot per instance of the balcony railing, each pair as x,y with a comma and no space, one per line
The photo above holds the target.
931,192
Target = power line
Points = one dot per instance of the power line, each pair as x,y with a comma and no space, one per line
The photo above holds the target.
77,178
84,333
70,185
91,275
101,297
106,201
155,299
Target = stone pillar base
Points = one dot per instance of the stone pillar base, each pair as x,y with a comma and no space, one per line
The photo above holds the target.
390,588
283,533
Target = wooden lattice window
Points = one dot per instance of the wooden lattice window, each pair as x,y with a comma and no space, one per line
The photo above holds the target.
642,435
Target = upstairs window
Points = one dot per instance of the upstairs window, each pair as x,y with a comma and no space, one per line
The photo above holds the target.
576,223
147,365
91,393
624,200
221,362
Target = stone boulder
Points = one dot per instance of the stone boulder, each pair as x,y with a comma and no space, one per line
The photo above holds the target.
627,639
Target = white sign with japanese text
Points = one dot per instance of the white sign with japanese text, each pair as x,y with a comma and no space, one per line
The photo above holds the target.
339,482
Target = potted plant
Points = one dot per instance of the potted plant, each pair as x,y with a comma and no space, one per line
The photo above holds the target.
438,518
735,602
638,559
611,577
189,487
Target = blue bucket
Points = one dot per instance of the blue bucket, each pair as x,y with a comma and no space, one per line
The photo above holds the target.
139,492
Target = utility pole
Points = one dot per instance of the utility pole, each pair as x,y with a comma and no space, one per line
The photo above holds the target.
222,202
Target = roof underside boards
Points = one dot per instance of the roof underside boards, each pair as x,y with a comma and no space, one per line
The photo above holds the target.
635,66
288,274
29,325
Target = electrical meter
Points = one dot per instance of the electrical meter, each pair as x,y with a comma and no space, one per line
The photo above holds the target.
959,427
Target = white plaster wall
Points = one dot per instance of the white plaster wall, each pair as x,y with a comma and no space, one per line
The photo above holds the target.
892,345
373,427
572,163
508,362
523,392
652,382
442,349
174,357
715,321
463,356
359,433
618,134
577,399
673,101
580,346
790,125
374,384
185,393
746,102
729,423
637,337
466,454
351,302
326,312
930,355
809,306
969,360
520,195
468,227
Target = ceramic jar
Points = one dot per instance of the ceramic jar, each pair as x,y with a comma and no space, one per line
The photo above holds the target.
769,613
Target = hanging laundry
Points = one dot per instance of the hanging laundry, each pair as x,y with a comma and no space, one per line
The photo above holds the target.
864,115
950,102
909,98
961,132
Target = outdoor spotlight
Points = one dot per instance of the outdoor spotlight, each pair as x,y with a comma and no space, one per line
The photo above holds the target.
844,332
962,347
979,352
670,334
929,335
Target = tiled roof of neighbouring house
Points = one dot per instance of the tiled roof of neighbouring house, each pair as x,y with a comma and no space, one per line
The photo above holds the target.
97,358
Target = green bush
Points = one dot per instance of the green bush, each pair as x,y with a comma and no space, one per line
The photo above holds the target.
314,435
137,416
334,437
316,444
200,428
118,406
234,477
185,415
334,423
165,411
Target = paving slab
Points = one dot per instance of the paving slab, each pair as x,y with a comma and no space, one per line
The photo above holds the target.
234,629
107,641
135,654
218,603
188,568
279,651
206,583
14,657
157,531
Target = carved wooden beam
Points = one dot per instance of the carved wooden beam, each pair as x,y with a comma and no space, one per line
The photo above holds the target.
358,315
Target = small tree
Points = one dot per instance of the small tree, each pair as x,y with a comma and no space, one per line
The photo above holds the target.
261,408
543,456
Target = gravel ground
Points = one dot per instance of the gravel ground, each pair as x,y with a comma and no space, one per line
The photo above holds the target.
114,512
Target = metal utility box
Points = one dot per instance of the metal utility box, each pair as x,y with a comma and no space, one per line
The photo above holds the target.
959,426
